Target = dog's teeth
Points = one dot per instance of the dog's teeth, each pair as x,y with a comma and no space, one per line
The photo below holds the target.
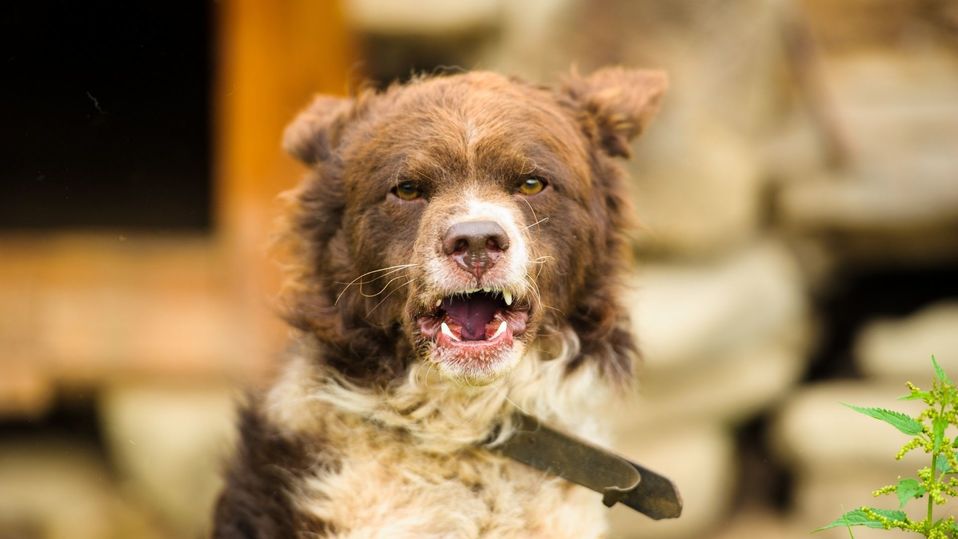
472,291
487,289
507,296
500,331
447,332
439,302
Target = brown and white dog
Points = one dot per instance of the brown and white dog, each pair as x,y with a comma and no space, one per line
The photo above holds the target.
460,241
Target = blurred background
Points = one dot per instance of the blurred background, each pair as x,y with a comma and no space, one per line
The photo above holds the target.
799,245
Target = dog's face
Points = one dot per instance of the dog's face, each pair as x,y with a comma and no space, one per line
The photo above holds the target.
454,220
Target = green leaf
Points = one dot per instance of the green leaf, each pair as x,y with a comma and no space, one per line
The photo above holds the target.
858,517
898,420
938,430
939,372
916,395
907,490
941,465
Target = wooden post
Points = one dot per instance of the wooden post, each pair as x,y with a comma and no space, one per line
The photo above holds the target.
272,57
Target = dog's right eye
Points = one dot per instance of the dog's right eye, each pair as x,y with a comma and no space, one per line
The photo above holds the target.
531,186
407,191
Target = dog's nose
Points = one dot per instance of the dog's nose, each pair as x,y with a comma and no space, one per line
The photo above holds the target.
475,245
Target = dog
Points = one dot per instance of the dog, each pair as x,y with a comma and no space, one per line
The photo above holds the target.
458,244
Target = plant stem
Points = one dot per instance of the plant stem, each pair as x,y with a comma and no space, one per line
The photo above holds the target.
934,467
931,503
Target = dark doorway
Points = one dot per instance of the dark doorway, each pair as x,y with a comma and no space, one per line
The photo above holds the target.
106,115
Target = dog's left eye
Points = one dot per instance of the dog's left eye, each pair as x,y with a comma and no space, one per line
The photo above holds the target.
531,185
407,191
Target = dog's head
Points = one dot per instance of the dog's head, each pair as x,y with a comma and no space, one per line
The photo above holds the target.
460,220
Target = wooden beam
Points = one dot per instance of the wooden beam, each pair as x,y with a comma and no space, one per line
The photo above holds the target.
88,308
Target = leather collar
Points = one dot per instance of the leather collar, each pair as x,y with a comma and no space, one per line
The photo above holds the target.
618,479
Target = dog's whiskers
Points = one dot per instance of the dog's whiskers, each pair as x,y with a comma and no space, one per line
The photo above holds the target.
544,219
534,288
388,271
561,313
381,290
534,216
400,287
541,262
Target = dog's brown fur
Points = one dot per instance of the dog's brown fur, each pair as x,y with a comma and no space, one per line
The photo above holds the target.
361,393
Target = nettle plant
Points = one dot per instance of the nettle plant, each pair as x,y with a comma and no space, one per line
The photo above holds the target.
938,481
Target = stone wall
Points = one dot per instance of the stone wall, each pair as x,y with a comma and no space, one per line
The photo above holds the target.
804,146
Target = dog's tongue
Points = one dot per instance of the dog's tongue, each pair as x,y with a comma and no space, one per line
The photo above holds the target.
473,313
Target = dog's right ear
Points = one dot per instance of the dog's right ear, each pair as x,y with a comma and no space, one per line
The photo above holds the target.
315,133
617,103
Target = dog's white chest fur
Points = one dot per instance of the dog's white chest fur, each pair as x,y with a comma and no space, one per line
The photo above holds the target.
404,463
383,488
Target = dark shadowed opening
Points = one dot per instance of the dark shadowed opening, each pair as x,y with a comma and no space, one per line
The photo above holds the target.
106,115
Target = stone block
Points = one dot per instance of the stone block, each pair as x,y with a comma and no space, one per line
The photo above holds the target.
725,389
696,188
760,522
58,489
699,459
813,431
898,197
685,314
422,18
169,444
900,214
899,349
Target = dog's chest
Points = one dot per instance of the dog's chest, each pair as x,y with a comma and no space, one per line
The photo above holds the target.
384,488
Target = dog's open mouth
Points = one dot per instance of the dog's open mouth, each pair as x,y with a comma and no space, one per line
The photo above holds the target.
471,324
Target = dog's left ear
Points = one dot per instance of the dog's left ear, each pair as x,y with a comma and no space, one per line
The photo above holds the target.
617,103
314,134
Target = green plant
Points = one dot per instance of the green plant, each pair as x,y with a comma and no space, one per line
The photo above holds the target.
937,481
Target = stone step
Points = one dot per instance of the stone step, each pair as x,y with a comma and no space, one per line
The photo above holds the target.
61,489
169,443
899,349
813,431
699,459
685,315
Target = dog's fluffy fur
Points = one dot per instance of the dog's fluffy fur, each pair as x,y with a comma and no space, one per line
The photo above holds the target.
374,427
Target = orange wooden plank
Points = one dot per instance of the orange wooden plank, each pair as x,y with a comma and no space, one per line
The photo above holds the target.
84,308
